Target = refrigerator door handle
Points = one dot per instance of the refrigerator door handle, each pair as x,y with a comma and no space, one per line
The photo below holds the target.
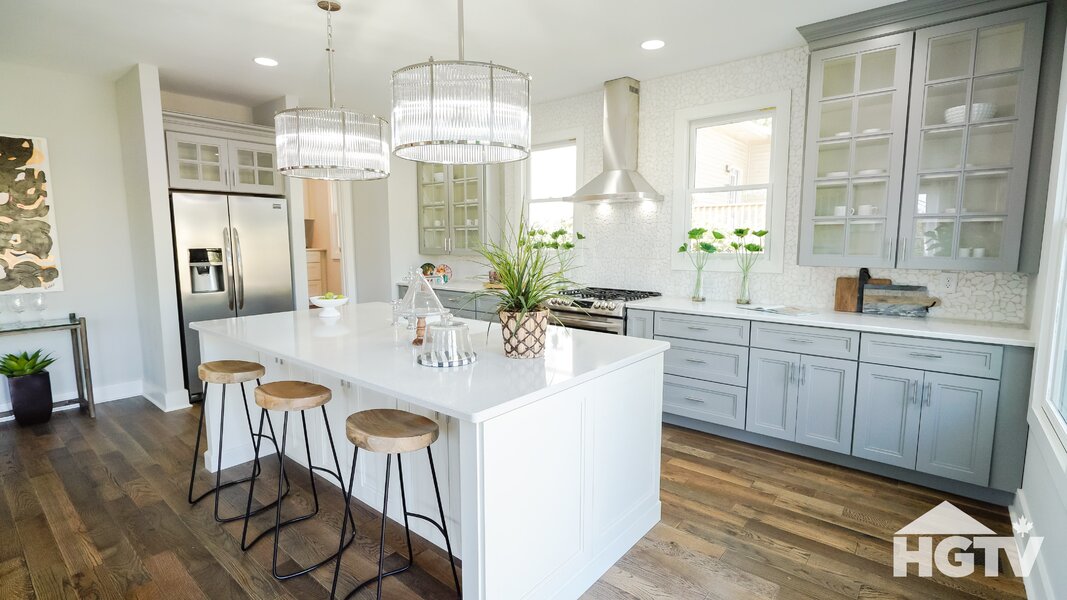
240,270
227,266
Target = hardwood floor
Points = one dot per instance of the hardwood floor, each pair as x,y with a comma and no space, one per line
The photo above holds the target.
97,509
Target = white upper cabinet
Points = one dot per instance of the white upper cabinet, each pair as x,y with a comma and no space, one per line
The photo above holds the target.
854,155
918,146
968,155
215,164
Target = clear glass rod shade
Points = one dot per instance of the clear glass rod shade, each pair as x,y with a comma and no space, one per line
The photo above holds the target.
461,113
331,143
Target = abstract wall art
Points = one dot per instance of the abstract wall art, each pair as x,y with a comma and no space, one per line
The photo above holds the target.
29,250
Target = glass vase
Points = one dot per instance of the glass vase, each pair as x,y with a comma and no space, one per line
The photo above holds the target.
698,286
742,295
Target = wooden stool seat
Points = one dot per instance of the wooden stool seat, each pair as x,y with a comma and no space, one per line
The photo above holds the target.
390,431
292,395
230,371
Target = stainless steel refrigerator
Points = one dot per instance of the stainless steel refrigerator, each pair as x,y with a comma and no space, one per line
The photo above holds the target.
233,259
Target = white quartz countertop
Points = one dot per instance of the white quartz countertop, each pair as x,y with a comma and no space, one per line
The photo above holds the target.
363,347
945,329
457,285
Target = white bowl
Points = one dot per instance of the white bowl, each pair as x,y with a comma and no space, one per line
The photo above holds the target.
980,111
329,307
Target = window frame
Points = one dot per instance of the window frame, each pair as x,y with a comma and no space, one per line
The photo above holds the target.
1056,338
554,139
778,106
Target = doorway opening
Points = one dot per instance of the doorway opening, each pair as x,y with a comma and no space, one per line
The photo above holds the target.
323,238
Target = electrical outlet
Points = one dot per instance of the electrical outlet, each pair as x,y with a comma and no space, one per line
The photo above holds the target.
947,282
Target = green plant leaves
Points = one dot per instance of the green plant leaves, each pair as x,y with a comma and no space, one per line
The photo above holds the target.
696,233
17,365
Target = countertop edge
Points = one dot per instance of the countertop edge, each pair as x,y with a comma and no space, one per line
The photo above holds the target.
895,327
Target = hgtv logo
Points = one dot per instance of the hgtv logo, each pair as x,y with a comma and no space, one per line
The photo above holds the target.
962,538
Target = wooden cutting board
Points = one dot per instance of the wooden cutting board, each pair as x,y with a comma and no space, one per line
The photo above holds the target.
848,288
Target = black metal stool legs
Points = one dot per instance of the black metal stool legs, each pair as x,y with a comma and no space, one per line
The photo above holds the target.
442,527
278,522
219,485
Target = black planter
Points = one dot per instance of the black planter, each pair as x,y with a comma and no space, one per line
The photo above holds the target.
31,398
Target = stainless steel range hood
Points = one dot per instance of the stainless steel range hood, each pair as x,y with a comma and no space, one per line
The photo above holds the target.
620,181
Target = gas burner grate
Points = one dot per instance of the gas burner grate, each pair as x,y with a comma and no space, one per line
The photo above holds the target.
598,293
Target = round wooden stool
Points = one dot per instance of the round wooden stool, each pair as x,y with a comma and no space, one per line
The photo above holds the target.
289,396
392,432
226,372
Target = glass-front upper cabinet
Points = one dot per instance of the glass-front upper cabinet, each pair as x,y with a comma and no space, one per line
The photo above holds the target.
452,206
197,162
969,134
854,160
253,167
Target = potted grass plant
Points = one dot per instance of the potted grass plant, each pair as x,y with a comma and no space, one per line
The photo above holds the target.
530,275
29,386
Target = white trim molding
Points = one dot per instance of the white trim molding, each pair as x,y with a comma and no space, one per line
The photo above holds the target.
777,198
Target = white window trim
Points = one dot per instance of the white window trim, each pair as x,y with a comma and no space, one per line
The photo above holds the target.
777,200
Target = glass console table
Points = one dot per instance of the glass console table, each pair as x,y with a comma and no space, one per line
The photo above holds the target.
79,344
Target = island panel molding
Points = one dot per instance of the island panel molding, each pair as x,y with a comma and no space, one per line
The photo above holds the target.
29,245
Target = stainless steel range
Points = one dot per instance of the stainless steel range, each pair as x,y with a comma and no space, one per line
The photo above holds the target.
596,309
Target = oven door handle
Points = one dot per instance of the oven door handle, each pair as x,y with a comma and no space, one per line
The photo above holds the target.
597,325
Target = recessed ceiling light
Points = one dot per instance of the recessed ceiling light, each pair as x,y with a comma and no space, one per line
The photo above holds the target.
653,44
266,62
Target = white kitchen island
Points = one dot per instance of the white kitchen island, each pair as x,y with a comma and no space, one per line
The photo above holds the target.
553,463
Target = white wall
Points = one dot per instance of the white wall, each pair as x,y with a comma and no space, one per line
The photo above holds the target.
630,244
77,116
206,107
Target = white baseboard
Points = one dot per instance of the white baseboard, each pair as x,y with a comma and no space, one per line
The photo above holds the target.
167,401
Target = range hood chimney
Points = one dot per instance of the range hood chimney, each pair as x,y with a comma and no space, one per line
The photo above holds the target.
620,181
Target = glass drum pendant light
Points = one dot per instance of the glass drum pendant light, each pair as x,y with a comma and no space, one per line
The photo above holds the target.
461,112
331,143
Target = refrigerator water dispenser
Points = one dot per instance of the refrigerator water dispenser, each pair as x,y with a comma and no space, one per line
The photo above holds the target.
205,270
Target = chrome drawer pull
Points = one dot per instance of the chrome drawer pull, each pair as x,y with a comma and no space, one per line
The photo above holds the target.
696,361
800,340
928,392
692,399
924,355
695,328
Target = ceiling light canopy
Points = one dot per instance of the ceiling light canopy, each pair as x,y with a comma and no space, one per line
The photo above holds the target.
265,61
461,112
653,44
331,143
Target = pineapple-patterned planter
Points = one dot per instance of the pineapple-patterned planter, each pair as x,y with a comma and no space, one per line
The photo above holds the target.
525,339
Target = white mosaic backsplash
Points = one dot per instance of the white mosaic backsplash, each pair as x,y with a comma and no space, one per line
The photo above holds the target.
630,244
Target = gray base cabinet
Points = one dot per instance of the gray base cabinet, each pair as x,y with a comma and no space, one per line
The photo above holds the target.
956,428
887,415
926,405
772,389
936,423
826,402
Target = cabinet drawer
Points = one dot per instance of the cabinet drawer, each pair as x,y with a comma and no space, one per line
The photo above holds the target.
704,401
835,343
721,363
486,304
314,271
960,358
706,329
315,288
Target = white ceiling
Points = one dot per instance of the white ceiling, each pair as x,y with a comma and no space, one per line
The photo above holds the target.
206,47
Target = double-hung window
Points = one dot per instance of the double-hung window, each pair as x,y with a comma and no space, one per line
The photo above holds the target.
731,170
553,176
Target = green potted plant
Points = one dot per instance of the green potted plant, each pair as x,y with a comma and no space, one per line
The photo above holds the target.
699,251
29,386
529,277
747,253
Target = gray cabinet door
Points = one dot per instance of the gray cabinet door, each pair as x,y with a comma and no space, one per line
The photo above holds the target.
826,403
970,126
887,414
956,429
772,393
854,152
639,323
